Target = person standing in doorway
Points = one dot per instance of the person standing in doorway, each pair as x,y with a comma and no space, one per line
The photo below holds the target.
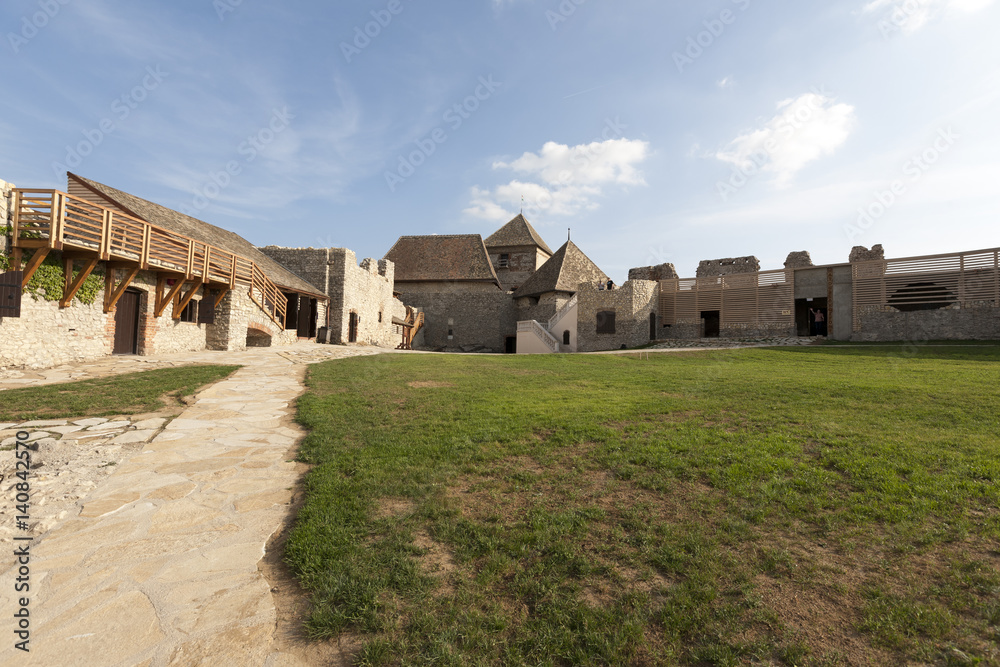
819,322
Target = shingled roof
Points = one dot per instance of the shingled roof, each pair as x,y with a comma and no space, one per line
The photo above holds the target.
199,230
563,272
517,232
445,257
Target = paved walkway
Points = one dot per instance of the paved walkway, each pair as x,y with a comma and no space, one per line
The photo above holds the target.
160,567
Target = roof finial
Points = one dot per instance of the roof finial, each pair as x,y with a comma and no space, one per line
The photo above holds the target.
569,233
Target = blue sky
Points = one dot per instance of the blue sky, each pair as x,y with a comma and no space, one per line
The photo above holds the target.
658,131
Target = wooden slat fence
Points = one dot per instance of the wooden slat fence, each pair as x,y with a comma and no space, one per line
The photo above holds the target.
744,298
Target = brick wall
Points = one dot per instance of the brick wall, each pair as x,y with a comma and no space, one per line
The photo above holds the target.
632,304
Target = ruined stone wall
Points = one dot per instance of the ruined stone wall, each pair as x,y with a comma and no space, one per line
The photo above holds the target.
859,253
656,273
478,321
366,291
710,268
632,304
798,260
236,315
977,322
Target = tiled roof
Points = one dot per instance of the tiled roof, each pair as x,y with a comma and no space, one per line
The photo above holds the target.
199,230
517,232
444,257
563,272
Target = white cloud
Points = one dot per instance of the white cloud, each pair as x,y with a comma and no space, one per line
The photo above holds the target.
571,177
909,16
805,129
726,82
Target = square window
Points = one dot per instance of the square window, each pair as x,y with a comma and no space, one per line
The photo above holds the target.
606,322
190,312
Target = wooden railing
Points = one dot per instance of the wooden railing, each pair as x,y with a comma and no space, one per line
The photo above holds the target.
55,220
742,298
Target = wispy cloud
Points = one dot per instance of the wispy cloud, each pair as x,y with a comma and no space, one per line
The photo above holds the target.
804,129
562,180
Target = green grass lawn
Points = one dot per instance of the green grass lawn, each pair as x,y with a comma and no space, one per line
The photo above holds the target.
126,394
804,506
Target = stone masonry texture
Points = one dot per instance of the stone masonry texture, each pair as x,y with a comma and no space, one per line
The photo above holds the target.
859,253
632,304
655,273
798,260
709,268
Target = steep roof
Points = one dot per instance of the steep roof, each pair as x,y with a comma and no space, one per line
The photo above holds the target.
445,257
517,232
563,272
199,230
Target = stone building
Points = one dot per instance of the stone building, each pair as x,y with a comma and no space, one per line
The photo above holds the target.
451,279
362,307
121,274
516,251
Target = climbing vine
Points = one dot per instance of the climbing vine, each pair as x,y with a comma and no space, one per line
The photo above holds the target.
47,282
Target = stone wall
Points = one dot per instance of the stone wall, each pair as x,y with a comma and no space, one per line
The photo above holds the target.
541,309
798,260
953,323
632,304
366,291
236,316
655,273
522,263
710,268
310,264
859,253
46,335
479,321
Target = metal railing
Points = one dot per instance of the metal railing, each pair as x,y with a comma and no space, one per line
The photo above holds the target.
59,221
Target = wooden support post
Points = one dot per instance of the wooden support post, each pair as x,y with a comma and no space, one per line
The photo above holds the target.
222,295
71,291
188,270
106,234
232,274
33,264
16,222
185,299
67,274
144,258
17,259
57,228
204,270
163,300
111,297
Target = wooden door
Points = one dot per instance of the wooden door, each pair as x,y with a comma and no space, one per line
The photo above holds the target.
353,329
10,294
127,323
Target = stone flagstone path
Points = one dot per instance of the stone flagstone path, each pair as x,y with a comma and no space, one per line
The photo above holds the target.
160,567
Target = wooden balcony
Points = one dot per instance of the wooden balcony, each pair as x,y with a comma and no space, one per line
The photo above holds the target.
47,220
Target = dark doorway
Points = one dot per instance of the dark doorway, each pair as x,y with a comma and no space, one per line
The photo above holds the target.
805,320
511,345
306,324
711,321
127,323
291,310
352,331
652,326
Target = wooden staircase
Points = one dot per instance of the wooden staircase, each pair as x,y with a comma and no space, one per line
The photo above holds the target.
413,323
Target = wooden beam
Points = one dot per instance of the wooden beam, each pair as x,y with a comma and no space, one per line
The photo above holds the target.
163,300
185,299
111,298
33,264
189,269
71,291
31,243
67,275
222,295
106,234
56,231
144,259
16,222
17,259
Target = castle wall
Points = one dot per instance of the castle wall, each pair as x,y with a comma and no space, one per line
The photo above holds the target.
632,304
469,321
